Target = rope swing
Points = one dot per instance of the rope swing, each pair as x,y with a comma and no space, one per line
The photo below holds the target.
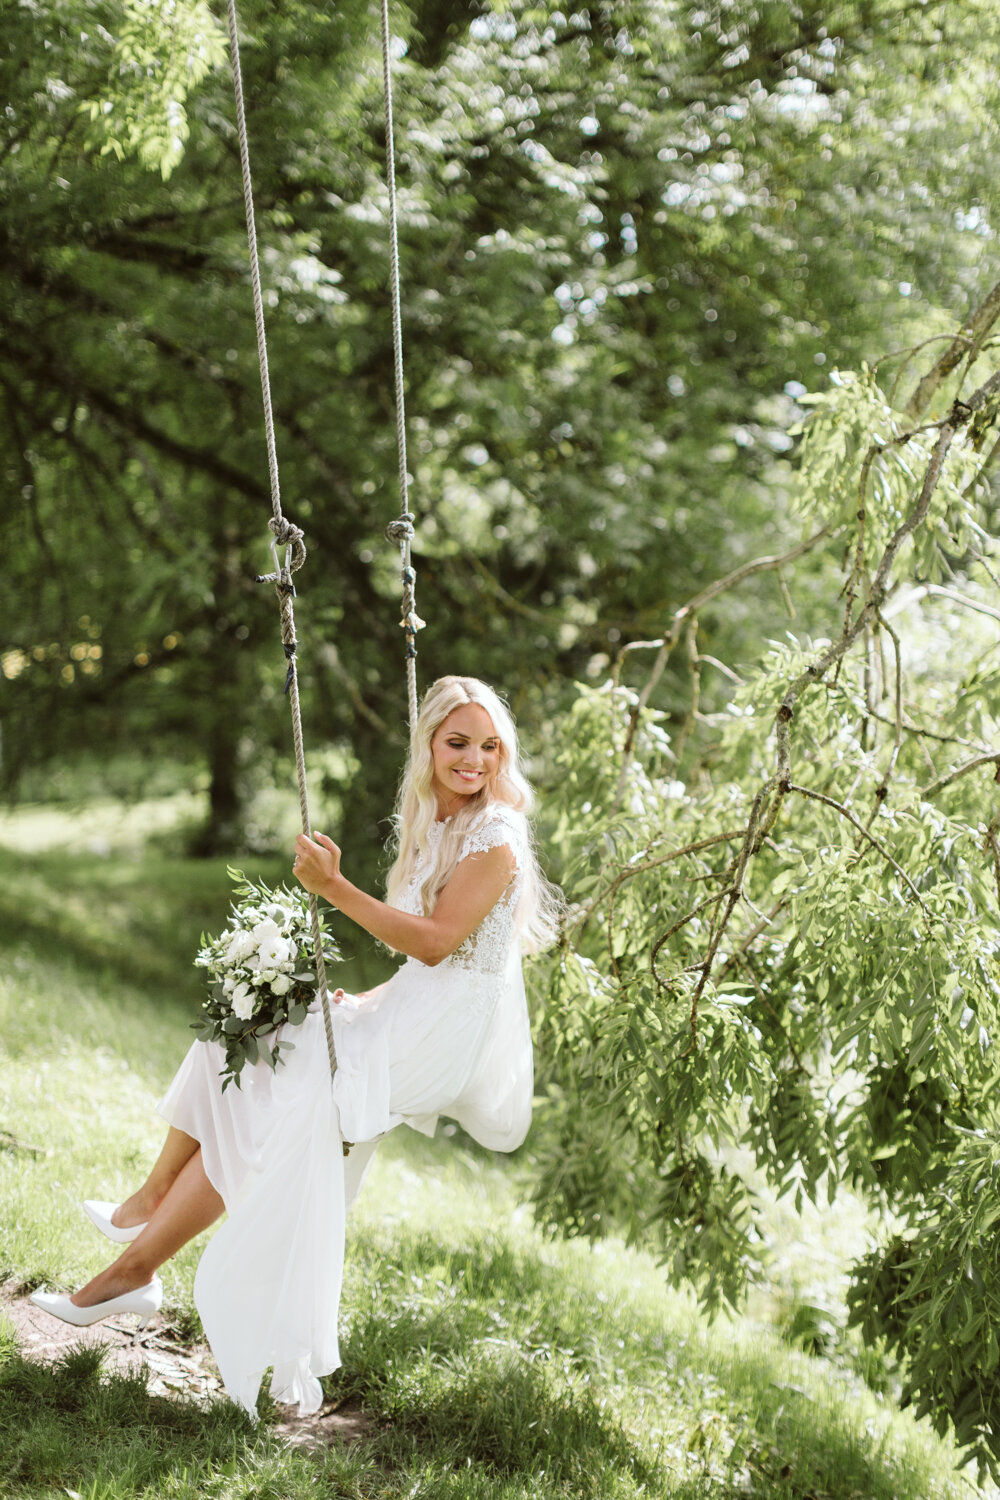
400,530
283,532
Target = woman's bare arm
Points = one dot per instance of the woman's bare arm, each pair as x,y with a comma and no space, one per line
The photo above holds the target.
474,889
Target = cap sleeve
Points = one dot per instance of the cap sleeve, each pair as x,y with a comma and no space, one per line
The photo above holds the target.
500,826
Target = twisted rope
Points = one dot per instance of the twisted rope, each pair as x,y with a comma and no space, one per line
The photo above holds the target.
283,532
400,530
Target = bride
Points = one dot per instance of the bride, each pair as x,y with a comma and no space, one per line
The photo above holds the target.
285,1154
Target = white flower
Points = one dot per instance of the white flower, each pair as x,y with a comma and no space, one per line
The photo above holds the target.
241,945
281,984
274,951
280,914
265,932
243,1001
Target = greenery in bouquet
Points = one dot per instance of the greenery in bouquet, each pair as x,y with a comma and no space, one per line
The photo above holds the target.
261,974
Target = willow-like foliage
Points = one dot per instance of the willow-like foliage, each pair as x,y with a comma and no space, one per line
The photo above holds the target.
782,965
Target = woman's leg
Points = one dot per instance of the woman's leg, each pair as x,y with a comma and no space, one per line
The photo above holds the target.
177,1151
188,1206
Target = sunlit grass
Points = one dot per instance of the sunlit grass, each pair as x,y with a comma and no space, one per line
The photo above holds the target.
100,828
495,1362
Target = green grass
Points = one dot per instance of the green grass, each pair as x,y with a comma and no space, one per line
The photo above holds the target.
494,1362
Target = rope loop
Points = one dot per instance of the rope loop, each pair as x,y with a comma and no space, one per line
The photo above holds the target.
401,530
283,533
288,535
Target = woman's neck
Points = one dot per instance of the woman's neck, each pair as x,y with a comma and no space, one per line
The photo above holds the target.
448,807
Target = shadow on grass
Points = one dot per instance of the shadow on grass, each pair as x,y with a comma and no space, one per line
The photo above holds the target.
69,1424
484,1352
139,920
135,920
426,1357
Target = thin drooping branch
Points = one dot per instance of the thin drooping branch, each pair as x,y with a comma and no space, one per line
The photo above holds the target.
838,807
967,342
876,450
751,937
818,669
733,895
665,645
992,758
665,937
694,663
992,843
769,799
921,733
640,868
939,591
908,354
897,738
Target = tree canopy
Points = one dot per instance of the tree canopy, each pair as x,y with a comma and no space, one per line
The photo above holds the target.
625,232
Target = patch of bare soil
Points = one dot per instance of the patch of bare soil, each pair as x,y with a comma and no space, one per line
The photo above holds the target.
175,1367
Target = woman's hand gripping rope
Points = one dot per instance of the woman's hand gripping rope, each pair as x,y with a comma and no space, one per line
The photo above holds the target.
317,863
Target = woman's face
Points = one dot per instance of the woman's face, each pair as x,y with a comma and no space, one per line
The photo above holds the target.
466,752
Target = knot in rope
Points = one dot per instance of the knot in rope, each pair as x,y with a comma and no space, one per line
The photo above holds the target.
288,535
401,530
284,534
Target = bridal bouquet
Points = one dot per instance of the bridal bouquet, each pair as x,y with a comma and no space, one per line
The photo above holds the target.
260,974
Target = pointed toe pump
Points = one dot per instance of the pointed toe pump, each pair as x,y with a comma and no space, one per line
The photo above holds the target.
99,1215
144,1301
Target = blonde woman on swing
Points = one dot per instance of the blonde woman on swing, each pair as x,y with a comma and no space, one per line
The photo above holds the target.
447,1034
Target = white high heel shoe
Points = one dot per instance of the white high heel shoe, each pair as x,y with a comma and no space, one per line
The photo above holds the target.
145,1300
99,1215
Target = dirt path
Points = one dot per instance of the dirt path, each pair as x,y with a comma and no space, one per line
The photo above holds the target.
175,1367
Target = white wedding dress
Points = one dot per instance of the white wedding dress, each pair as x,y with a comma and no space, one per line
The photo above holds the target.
450,1039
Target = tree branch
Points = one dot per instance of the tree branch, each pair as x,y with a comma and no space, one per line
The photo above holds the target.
631,871
838,807
993,845
992,758
665,645
968,341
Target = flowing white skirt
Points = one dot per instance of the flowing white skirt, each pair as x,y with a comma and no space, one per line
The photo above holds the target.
441,1040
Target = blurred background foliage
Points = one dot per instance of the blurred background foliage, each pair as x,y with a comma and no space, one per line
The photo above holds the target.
630,236
644,246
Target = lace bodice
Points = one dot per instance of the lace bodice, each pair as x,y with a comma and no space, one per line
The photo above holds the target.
486,950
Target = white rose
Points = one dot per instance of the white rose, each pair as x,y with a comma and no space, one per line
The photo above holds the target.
242,1002
281,984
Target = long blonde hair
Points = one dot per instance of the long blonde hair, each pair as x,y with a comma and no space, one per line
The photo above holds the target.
416,810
